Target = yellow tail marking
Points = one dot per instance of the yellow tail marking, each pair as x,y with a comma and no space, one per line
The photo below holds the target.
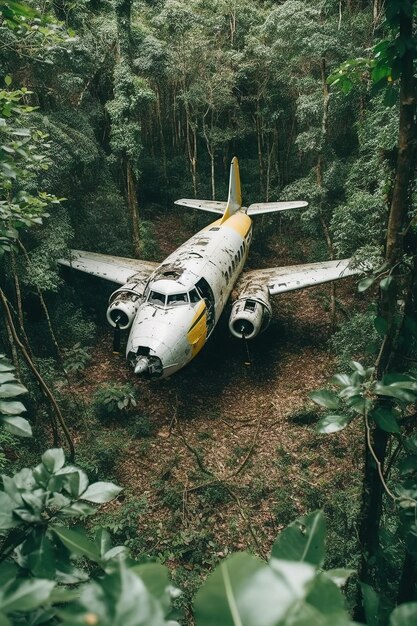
240,223
234,201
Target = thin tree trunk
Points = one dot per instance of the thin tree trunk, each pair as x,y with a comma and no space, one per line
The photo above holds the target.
37,375
132,202
46,312
19,304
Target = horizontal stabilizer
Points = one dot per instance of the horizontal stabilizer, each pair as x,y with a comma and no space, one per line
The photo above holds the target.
211,206
260,208
282,279
113,268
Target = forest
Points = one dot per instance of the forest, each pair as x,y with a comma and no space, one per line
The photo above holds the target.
271,482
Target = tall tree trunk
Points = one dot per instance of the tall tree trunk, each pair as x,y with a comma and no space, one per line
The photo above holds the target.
123,10
319,177
394,251
132,201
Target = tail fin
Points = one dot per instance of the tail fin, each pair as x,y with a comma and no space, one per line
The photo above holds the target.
234,201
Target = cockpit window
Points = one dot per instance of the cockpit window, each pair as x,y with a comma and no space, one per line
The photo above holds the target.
177,298
194,296
156,298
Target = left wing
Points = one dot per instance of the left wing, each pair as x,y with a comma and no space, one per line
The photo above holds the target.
113,268
282,279
211,206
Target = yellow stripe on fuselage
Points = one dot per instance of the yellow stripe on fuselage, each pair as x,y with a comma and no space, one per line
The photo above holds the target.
239,222
197,333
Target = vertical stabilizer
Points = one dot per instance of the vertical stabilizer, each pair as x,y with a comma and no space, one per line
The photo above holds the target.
234,201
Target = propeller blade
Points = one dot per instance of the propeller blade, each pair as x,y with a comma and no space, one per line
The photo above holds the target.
248,359
116,339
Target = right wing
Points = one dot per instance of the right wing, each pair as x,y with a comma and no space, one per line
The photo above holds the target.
282,279
113,268
260,208
204,205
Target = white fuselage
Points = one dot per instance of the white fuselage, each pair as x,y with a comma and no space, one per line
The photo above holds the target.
186,295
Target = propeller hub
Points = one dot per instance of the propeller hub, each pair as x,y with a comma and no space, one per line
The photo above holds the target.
142,365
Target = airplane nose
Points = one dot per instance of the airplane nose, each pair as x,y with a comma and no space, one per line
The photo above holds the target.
148,366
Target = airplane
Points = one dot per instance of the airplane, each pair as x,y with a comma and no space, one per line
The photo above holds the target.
172,308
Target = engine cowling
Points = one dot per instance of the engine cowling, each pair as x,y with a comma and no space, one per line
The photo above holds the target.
124,304
251,313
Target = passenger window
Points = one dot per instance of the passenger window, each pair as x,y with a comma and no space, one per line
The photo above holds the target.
177,298
156,298
194,297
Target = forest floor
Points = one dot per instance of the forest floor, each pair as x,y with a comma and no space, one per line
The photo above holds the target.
231,455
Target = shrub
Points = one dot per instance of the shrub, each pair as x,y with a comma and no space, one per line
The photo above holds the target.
114,401
76,359
99,454
140,426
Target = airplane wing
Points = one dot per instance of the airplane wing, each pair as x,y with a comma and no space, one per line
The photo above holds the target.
260,208
113,268
282,279
204,205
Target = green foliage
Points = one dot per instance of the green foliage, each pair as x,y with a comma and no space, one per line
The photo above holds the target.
71,322
21,156
114,401
124,520
141,426
290,588
216,494
100,454
356,337
9,444
76,359
149,247
11,409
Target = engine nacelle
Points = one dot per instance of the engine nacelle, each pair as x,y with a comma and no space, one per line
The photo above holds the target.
251,313
124,304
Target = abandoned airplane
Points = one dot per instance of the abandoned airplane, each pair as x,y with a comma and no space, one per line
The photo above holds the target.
172,308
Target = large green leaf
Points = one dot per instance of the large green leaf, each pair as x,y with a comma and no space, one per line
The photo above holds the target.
393,391
70,478
77,542
11,390
8,571
39,554
101,492
156,578
6,366
119,599
7,506
244,591
6,377
53,459
102,540
326,597
17,425
371,604
303,540
4,621
325,398
12,407
365,283
332,423
386,419
25,595
404,615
